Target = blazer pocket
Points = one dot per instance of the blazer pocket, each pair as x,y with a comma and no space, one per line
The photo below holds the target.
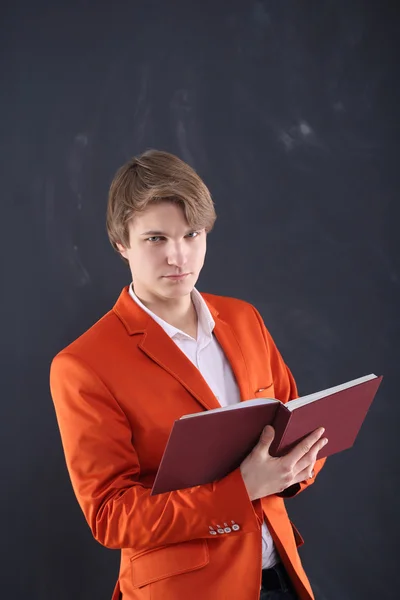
297,536
166,561
266,391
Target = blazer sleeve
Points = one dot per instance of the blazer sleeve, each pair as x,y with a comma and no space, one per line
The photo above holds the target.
104,471
285,390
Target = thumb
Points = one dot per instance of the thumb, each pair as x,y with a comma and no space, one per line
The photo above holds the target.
266,438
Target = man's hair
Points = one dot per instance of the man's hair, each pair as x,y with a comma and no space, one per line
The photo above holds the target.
156,176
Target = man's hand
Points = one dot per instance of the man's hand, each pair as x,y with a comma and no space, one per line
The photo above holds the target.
264,474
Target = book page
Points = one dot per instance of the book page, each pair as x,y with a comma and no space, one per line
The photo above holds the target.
238,406
293,404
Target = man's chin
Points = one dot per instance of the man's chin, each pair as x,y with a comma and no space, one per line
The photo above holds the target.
179,289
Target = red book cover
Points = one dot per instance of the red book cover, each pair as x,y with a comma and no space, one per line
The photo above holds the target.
205,449
206,446
341,413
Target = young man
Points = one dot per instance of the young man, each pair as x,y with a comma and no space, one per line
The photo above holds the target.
165,350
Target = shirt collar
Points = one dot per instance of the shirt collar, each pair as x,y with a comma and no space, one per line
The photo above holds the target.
206,323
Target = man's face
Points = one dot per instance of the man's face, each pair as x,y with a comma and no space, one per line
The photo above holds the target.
165,255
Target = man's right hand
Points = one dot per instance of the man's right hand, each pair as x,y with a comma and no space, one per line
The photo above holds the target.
264,474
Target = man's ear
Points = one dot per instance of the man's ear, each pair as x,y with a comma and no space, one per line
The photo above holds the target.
122,250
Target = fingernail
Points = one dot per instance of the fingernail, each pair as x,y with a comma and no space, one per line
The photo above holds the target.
325,441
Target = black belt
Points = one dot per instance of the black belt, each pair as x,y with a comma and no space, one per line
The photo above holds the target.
276,578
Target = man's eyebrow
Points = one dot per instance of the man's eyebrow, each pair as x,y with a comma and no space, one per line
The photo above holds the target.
153,232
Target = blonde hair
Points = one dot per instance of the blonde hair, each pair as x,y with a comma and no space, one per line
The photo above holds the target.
156,176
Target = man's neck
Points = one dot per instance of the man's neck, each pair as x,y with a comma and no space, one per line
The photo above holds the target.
178,312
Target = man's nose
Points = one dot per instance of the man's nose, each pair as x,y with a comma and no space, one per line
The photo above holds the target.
177,254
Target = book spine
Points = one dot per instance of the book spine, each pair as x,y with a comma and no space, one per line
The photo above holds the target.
280,424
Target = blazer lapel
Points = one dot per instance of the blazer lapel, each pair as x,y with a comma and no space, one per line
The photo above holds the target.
160,348
230,345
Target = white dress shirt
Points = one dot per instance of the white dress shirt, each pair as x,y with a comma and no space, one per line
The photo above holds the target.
207,355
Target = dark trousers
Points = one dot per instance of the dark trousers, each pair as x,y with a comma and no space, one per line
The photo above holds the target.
276,584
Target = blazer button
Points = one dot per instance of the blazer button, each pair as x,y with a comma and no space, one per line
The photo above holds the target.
220,531
235,527
213,532
227,530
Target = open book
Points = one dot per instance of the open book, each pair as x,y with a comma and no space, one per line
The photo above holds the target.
206,446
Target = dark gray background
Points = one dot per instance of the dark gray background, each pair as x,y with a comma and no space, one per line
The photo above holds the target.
289,111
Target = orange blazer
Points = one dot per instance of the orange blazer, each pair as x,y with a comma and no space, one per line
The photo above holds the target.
117,390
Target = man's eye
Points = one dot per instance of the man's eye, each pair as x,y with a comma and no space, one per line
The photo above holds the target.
154,239
193,234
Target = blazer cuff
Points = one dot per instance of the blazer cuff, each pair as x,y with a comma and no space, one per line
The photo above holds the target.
232,506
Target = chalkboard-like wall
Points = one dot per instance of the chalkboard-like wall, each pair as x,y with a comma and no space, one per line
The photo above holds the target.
289,111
